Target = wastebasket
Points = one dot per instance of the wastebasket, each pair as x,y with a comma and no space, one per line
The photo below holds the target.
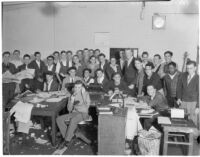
149,142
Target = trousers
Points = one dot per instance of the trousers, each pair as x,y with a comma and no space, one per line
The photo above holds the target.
72,119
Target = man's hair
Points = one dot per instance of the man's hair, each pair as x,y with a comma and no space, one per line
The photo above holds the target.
55,52
6,53
52,57
97,50
79,51
151,85
127,49
150,64
85,49
116,73
101,54
191,62
16,51
168,52
99,70
157,55
36,53
26,55
92,56
87,69
75,56
69,52
63,51
145,53
173,64
78,82
138,59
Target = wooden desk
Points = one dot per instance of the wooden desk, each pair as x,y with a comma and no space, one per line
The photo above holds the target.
51,111
111,134
189,129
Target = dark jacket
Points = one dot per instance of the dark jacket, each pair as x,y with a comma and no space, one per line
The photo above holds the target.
188,92
104,82
54,86
104,68
39,72
130,73
10,67
110,71
154,80
22,67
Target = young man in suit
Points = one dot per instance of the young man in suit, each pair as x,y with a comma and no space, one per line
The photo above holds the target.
78,105
70,79
51,66
170,84
112,68
16,59
40,68
26,84
100,79
145,58
50,84
130,71
8,87
188,91
103,64
151,78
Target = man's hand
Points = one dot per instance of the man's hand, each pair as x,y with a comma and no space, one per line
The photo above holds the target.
131,86
179,102
197,111
40,79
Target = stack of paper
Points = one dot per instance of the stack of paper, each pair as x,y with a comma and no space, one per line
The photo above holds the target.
164,120
105,110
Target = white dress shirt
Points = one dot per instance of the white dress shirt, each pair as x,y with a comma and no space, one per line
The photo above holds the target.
38,63
49,85
50,68
129,61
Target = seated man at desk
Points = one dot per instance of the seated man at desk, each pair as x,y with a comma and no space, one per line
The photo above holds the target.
78,105
117,82
156,101
50,84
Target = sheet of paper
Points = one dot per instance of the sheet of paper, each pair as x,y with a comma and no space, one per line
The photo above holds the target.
177,113
114,104
36,100
164,120
24,127
55,99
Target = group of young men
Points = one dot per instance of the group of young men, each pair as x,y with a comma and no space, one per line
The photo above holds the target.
160,83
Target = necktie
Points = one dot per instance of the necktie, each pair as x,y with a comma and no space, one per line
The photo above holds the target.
189,79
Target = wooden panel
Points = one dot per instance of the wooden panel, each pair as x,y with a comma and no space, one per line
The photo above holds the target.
111,135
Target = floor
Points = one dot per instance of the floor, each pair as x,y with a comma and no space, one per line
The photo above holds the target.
21,144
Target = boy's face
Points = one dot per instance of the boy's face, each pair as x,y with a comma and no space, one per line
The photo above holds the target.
72,73
151,90
156,60
148,70
145,57
190,68
117,78
77,88
128,54
102,59
86,73
50,61
138,65
99,74
26,60
6,58
168,57
38,57
172,69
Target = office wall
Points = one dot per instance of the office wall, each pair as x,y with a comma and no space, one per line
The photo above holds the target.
40,27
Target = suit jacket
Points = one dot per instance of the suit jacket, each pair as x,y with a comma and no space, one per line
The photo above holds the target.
54,86
110,71
130,73
22,67
104,68
188,92
39,71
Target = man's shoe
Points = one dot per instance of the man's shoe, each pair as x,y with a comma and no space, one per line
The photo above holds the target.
63,144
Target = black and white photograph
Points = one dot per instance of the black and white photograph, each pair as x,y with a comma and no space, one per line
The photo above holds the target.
100,78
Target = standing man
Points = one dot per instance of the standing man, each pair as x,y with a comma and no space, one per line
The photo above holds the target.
170,84
103,64
40,68
8,87
130,71
188,91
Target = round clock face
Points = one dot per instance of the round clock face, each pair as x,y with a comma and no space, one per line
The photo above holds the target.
159,22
